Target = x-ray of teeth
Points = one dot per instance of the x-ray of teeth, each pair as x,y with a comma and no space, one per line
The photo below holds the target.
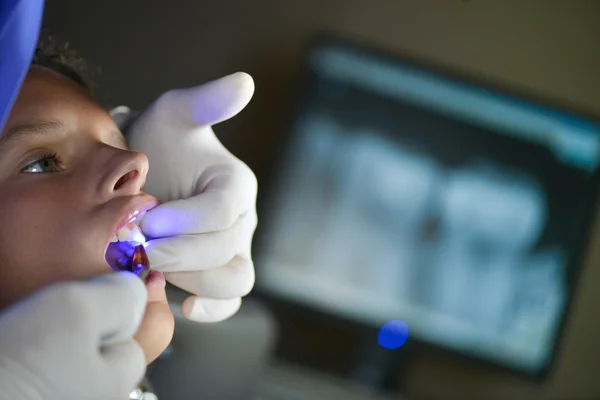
322,133
509,209
488,223
394,182
541,294
305,198
382,204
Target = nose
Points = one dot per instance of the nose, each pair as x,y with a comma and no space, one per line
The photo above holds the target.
126,174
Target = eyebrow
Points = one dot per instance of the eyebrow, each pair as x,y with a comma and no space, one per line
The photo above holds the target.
33,129
45,128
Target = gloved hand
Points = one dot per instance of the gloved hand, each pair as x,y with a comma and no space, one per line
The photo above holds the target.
74,341
202,234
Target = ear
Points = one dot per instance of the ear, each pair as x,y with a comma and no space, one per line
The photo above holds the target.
123,116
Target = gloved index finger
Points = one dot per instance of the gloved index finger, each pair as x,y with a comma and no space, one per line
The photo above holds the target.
220,99
209,103
117,302
218,207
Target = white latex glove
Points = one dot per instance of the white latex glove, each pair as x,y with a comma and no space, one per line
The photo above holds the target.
206,226
74,341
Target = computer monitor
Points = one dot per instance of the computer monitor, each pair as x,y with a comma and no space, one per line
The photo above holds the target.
404,193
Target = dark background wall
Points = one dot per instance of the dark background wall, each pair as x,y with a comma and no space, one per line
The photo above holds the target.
550,48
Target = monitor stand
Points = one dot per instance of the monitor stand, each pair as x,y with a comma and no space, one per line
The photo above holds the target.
379,368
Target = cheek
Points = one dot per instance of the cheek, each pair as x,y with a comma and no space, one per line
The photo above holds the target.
36,244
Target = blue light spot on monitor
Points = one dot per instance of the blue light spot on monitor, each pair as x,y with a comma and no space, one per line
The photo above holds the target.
393,334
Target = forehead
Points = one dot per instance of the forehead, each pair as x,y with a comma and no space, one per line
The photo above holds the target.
48,97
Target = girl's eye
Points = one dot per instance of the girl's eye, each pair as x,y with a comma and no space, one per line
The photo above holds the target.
44,164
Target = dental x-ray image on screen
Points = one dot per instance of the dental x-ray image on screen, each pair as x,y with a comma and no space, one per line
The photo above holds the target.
405,195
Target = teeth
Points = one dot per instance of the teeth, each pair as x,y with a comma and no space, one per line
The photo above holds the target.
131,233
139,217
114,239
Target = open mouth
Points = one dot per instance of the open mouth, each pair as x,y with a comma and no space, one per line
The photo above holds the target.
126,233
120,250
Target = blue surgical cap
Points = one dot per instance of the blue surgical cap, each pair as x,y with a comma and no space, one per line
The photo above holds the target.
20,22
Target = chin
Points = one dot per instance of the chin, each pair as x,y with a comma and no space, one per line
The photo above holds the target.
156,330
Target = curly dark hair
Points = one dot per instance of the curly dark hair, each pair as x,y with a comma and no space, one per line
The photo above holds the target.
60,57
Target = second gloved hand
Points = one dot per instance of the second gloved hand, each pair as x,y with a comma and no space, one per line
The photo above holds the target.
74,341
201,235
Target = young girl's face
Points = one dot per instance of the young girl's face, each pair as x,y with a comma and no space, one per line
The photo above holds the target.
67,184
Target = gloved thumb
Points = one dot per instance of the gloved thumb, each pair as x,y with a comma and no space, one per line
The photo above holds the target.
212,102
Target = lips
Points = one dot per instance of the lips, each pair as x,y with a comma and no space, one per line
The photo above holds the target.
132,207
124,210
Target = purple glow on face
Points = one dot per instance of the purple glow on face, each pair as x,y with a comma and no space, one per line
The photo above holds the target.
119,255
